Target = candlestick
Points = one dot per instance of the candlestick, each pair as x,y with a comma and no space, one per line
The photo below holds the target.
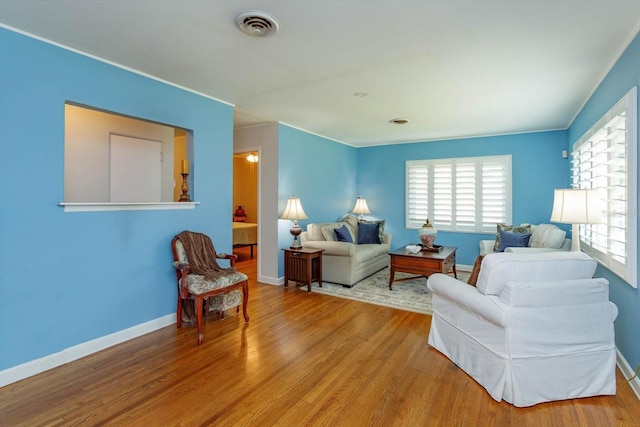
184,197
185,167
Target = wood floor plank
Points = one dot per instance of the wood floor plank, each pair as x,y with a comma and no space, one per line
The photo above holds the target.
304,359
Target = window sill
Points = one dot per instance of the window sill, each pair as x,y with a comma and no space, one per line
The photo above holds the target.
125,206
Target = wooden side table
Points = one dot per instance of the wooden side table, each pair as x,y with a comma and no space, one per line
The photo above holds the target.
303,265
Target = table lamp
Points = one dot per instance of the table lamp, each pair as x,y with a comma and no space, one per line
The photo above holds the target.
294,212
574,206
361,208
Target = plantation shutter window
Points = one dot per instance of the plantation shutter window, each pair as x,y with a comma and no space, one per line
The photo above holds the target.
494,188
605,159
469,194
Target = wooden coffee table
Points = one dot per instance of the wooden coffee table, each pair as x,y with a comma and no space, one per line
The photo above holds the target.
424,263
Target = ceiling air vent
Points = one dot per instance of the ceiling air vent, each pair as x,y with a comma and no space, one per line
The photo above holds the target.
256,23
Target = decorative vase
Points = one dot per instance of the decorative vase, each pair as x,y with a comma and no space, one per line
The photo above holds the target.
239,211
427,234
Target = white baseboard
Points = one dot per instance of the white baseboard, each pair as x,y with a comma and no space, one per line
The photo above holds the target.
627,372
280,280
267,280
464,267
34,367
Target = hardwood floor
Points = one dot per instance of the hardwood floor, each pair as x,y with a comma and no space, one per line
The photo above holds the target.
304,359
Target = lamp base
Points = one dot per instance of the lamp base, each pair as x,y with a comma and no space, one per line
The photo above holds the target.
575,238
295,232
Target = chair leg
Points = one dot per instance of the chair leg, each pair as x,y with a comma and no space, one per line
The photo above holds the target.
179,313
198,304
245,299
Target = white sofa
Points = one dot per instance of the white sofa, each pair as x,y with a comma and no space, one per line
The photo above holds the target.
536,328
544,238
346,263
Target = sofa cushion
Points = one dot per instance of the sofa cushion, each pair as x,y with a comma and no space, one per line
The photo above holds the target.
368,233
522,229
499,268
366,252
546,236
509,240
314,232
343,234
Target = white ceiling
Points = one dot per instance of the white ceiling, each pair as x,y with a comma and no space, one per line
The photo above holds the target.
452,68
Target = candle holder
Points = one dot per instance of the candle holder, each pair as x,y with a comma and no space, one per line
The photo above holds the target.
184,197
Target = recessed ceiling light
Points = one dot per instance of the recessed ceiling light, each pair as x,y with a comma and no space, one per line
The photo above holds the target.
360,94
257,23
399,121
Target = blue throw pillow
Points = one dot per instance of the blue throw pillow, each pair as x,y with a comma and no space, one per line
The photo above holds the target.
368,233
343,234
513,240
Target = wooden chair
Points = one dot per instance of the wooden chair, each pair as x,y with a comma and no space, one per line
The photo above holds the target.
221,292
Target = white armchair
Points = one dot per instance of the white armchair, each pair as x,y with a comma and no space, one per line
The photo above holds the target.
537,327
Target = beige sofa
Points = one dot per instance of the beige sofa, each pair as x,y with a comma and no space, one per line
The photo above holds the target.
342,262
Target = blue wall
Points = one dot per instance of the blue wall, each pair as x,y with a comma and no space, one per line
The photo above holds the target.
622,77
66,278
320,172
537,168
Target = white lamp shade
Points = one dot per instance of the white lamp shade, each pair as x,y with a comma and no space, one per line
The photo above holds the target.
361,206
573,206
294,210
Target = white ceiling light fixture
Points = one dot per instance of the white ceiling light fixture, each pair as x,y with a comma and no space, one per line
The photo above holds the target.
257,23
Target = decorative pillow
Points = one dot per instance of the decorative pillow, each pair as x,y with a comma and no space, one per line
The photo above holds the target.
368,233
327,232
380,228
522,229
352,222
513,240
343,234
318,231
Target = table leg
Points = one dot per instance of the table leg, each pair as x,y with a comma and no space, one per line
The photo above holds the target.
309,273
392,274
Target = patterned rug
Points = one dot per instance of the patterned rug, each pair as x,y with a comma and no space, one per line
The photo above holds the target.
410,295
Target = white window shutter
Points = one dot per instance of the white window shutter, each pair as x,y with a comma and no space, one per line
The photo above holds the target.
463,194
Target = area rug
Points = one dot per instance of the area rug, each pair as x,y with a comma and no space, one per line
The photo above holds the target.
410,295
